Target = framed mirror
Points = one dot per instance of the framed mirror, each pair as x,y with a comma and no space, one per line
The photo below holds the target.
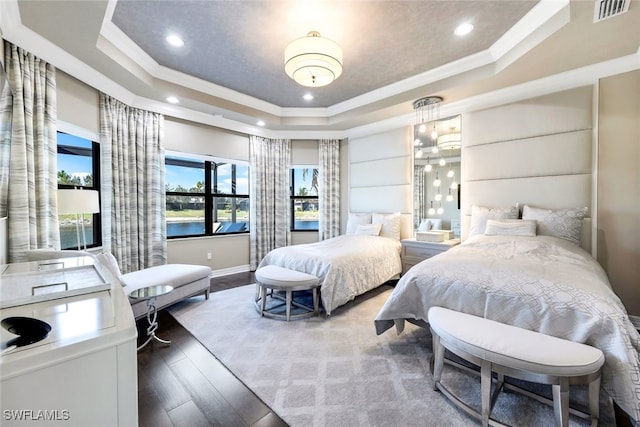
436,175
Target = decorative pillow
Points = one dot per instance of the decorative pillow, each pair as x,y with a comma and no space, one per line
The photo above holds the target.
355,219
480,215
425,225
510,227
390,224
368,229
436,224
107,259
563,223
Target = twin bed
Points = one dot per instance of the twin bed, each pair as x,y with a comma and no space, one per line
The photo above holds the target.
367,256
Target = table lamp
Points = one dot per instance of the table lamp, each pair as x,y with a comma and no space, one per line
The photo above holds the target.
78,201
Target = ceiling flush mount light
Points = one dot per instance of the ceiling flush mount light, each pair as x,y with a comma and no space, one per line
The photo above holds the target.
260,123
450,141
463,29
313,61
172,100
307,97
174,40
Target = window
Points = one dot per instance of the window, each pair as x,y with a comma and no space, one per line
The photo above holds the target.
304,199
206,197
78,167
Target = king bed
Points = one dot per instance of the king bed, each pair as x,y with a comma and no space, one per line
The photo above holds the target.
507,272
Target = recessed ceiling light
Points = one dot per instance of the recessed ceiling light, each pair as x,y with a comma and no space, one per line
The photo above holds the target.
260,123
308,97
463,29
172,100
174,40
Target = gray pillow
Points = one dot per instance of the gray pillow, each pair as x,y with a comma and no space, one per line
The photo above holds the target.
563,223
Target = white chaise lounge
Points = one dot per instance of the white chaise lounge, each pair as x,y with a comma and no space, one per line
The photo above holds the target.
187,280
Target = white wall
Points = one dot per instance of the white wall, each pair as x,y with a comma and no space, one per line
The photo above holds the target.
380,174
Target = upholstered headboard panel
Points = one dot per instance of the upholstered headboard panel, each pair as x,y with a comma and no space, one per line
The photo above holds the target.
380,173
537,152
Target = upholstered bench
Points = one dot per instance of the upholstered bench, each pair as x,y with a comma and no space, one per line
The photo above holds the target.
274,278
516,353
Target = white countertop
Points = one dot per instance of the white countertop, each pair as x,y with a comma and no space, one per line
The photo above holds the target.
80,324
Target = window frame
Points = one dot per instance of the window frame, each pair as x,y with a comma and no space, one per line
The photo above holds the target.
293,198
94,154
210,174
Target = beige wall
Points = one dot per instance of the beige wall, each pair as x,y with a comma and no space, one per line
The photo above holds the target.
78,105
618,197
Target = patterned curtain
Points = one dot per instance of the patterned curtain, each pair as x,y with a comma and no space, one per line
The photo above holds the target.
269,199
32,194
329,189
419,206
133,196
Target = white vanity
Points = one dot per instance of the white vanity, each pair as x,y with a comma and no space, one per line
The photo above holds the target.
85,371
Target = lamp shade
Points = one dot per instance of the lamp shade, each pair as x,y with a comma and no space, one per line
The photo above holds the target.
78,201
313,61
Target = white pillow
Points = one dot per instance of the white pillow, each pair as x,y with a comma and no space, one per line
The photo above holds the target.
390,224
563,223
425,225
368,229
510,227
109,262
355,219
480,215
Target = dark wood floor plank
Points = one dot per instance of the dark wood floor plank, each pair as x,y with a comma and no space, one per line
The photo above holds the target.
205,396
243,400
154,376
270,420
198,375
188,415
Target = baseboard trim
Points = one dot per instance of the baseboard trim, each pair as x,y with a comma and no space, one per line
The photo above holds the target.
230,270
636,321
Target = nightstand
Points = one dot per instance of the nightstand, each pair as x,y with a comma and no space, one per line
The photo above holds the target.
413,251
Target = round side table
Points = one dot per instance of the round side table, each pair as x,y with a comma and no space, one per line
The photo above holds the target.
150,293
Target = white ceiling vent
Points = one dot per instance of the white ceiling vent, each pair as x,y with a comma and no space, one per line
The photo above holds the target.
609,8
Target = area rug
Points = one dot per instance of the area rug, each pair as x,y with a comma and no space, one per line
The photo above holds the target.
337,372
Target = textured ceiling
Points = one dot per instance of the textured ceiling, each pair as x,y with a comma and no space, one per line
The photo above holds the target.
240,45
230,73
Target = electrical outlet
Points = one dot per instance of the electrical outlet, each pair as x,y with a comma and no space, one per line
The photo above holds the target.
208,255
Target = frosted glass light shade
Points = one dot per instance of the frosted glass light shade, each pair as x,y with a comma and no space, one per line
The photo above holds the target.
313,61
450,141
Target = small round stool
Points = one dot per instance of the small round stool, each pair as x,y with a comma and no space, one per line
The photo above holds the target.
273,277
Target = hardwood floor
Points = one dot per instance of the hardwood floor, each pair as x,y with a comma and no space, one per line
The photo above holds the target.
183,384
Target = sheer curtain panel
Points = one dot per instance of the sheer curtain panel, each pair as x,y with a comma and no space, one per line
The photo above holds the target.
329,189
133,193
32,192
269,196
